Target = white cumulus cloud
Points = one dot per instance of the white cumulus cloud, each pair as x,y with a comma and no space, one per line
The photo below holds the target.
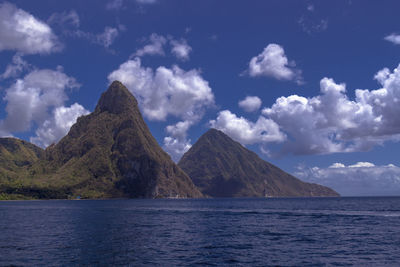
22,32
38,99
359,179
176,143
272,62
337,165
331,122
262,131
250,103
165,91
362,164
57,126
394,38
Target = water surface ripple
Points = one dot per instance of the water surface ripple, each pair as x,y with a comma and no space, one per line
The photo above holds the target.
214,232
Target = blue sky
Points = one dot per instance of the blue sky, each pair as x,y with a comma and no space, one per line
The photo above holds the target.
311,86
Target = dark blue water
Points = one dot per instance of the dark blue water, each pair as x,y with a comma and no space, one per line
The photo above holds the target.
254,232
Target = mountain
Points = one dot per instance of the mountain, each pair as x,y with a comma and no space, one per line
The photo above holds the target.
16,156
108,153
221,167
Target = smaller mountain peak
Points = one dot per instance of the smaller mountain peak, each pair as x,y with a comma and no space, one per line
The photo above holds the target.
214,140
214,132
222,167
216,135
116,99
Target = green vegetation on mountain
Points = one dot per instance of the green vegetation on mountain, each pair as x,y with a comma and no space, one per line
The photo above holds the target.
221,167
108,153
16,158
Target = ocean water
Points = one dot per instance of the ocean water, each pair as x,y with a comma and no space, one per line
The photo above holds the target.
215,232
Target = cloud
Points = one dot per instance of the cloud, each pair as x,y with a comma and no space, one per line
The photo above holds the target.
331,122
156,43
262,131
69,22
38,99
56,127
312,122
22,32
360,179
250,103
115,4
362,164
65,18
14,69
119,4
272,62
311,26
327,123
29,99
164,92
155,47
146,2
181,49
106,38
394,38
337,165
167,92
176,143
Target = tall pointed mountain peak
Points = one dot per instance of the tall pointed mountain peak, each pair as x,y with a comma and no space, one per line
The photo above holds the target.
112,153
116,99
215,135
214,142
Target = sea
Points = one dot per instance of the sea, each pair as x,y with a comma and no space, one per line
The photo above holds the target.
346,231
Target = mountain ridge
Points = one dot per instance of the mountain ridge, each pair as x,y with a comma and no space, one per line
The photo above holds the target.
111,153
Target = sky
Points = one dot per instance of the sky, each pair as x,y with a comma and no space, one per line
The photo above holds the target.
310,86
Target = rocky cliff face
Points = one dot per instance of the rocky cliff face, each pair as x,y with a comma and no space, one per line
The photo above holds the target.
109,153
221,167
